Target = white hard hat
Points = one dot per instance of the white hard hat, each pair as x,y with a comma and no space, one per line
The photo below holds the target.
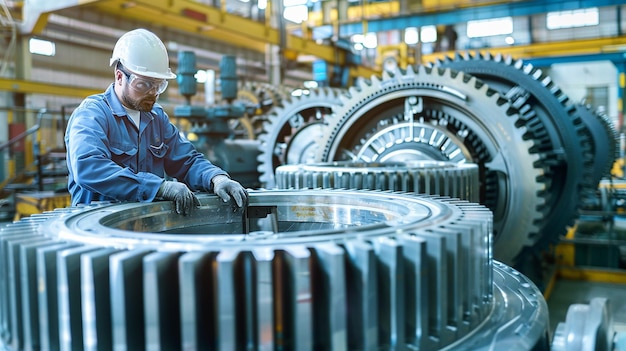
143,53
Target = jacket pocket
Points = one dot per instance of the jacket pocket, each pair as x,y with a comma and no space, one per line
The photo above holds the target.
124,155
159,151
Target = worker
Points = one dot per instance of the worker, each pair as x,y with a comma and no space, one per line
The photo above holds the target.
121,145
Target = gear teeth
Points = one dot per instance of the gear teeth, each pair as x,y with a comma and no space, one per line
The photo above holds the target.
375,81
355,89
422,70
600,132
410,70
508,59
456,180
277,136
432,83
344,99
387,75
554,117
330,283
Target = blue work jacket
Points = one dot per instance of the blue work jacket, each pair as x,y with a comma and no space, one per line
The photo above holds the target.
110,159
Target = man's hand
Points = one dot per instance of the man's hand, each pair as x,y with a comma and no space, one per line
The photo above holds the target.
225,187
184,199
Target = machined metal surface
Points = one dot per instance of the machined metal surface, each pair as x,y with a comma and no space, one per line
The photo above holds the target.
292,131
604,138
258,98
438,114
458,180
315,269
587,327
560,137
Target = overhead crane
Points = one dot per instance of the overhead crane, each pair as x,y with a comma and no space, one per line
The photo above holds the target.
442,12
217,24
601,46
32,87
200,19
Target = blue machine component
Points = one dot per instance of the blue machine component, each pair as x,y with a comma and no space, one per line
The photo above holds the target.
212,121
228,76
211,125
186,74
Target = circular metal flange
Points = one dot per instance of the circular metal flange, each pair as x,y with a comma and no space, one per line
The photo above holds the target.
303,270
459,180
425,113
519,306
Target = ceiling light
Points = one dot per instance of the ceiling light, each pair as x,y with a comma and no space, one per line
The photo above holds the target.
41,47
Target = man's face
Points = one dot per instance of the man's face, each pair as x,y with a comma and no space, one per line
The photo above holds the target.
137,101
140,93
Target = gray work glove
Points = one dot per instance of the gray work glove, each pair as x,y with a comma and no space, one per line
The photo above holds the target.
184,199
225,187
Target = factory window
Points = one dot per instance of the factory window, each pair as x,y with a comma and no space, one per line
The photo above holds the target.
410,36
427,34
597,96
288,3
489,27
296,14
41,47
574,18
369,41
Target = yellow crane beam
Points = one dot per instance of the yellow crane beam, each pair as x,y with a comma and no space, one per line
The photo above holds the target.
376,10
545,50
32,87
205,20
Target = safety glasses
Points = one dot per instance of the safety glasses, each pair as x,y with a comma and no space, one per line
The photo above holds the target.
145,85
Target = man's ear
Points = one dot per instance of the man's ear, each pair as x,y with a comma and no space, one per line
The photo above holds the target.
118,77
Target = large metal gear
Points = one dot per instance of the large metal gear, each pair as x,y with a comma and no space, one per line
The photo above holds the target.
299,270
553,124
436,113
292,131
605,140
259,98
458,180
262,95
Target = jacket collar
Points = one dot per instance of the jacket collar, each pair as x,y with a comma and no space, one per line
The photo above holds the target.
114,103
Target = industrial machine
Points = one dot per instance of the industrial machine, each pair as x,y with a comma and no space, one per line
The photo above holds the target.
213,125
397,214
295,270
540,157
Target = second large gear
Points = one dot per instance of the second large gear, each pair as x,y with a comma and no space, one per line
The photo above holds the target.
435,113
292,131
554,125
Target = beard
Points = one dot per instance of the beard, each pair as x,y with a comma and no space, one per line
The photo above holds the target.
143,104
